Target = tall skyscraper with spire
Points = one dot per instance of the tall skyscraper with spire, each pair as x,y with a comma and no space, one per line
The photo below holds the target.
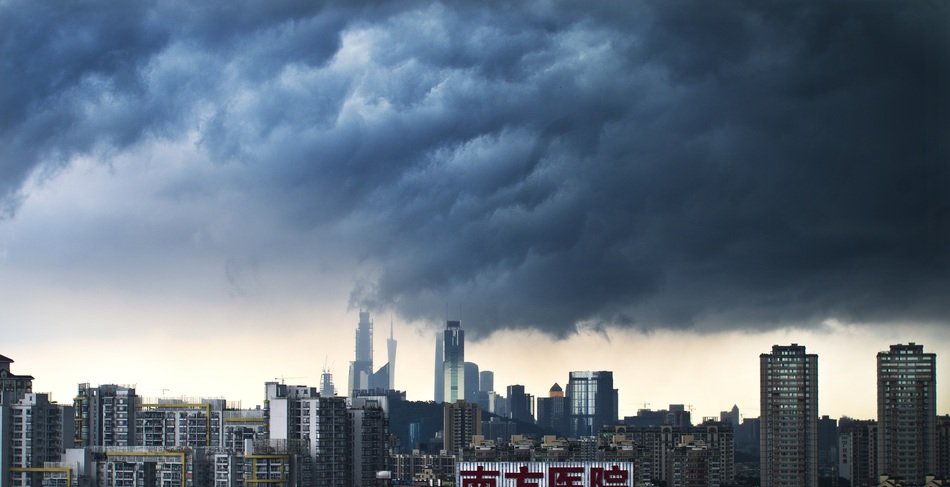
453,365
361,369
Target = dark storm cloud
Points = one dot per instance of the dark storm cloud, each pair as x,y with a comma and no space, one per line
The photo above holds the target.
538,165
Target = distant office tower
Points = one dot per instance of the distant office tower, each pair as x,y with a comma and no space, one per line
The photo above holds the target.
789,419
731,416
748,435
361,369
453,365
486,381
105,415
461,421
391,355
327,389
32,431
906,412
592,402
471,382
299,414
552,411
519,404
857,446
678,416
12,385
439,372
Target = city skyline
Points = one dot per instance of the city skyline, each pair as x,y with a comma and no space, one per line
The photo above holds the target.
201,197
841,381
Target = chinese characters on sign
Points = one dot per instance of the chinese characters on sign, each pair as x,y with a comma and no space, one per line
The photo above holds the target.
541,474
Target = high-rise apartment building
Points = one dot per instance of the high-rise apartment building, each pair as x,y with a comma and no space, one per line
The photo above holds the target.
857,446
32,431
461,420
789,417
299,413
370,428
592,402
179,423
906,412
105,415
453,364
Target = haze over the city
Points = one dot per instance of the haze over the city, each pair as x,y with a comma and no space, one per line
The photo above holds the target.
198,198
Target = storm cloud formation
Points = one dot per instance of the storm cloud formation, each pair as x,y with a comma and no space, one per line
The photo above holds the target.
535,165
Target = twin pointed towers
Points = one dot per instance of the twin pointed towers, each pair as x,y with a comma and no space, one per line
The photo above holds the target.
362,377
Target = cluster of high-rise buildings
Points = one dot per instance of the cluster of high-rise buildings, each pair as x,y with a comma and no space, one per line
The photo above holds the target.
472,435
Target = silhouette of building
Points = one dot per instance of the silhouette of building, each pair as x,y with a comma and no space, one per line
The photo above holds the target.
439,373
789,419
361,369
327,389
592,402
731,416
453,364
943,446
552,411
827,446
471,382
486,381
906,412
519,404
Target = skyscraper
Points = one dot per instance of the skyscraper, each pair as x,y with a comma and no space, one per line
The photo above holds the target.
439,372
453,365
361,369
592,401
391,355
906,412
471,382
519,404
789,417
552,410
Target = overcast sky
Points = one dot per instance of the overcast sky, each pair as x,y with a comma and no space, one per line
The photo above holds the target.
199,196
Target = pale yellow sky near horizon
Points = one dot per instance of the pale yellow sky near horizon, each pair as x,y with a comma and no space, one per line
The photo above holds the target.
710,372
